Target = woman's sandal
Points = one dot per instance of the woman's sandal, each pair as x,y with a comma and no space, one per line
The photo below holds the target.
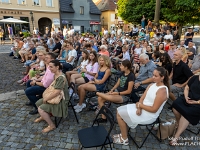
24,83
48,129
38,120
116,135
173,142
118,141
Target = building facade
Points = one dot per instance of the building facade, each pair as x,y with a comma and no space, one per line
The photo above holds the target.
82,15
38,13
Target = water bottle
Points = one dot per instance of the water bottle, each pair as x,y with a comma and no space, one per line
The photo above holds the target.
83,74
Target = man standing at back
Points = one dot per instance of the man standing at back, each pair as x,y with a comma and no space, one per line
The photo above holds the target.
10,33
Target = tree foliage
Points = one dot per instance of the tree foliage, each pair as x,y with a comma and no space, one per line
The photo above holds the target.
178,11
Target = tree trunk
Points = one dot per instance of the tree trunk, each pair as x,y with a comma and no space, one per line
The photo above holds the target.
157,12
180,30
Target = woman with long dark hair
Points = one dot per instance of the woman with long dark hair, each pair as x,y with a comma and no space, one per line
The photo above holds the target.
60,109
122,88
148,108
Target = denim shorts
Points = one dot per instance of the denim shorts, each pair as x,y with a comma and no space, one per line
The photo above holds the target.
28,62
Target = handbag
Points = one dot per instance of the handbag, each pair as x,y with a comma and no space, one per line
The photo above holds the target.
167,130
50,90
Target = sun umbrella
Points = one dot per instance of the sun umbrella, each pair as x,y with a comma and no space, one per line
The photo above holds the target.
12,20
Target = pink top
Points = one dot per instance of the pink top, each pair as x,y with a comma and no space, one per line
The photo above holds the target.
47,78
92,69
105,53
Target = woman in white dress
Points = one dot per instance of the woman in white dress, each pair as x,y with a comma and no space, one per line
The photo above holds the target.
147,109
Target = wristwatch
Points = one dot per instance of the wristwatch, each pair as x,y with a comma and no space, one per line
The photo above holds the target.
141,83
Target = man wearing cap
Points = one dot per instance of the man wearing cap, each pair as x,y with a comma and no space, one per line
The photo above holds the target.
189,36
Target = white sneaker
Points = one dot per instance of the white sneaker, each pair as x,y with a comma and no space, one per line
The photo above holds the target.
70,91
79,108
75,96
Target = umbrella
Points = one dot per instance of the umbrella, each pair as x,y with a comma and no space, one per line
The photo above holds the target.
12,20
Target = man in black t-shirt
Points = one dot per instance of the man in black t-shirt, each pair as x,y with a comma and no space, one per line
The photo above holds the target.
57,47
189,36
77,45
118,53
180,75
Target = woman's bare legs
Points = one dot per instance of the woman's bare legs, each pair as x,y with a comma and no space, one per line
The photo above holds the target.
106,97
177,115
122,126
46,117
82,91
183,124
68,75
74,77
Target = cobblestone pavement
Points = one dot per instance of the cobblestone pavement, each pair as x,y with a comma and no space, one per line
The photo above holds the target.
17,130
10,72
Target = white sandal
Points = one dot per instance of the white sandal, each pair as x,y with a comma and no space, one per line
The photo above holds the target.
116,135
118,141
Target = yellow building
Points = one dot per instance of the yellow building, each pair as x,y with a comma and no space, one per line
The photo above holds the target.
107,8
39,13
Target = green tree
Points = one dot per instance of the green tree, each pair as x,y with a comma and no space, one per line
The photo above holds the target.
182,12
132,10
177,11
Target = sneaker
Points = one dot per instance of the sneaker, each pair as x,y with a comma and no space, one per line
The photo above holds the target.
79,108
70,91
75,96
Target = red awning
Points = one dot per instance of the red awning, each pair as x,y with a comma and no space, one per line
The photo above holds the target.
95,22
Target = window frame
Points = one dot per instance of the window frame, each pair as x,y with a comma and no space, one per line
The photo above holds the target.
5,2
51,3
37,5
21,3
81,10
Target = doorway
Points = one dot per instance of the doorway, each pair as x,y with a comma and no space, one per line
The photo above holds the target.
43,23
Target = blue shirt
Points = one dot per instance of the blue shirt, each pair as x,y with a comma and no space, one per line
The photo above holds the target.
146,71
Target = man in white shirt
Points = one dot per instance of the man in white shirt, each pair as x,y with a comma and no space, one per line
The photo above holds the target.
70,58
168,36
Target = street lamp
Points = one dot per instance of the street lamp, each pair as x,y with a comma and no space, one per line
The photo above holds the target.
102,21
32,19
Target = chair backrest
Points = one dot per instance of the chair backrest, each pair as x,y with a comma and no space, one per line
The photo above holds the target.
110,117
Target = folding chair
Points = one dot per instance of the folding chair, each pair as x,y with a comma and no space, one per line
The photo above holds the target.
58,119
96,136
72,86
150,132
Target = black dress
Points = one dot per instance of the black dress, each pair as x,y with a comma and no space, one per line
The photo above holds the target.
191,112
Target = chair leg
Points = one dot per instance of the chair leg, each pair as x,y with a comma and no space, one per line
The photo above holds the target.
75,114
57,122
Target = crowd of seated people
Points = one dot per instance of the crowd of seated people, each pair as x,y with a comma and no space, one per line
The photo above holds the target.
88,61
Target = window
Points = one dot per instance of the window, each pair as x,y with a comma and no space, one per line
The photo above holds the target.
4,1
21,2
81,10
49,3
36,2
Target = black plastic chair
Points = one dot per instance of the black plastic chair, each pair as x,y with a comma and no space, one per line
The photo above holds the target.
96,136
57,120
150,132
72,86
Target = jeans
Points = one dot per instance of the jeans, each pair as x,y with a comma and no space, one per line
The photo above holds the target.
134,96
66,67
28,84
32,91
